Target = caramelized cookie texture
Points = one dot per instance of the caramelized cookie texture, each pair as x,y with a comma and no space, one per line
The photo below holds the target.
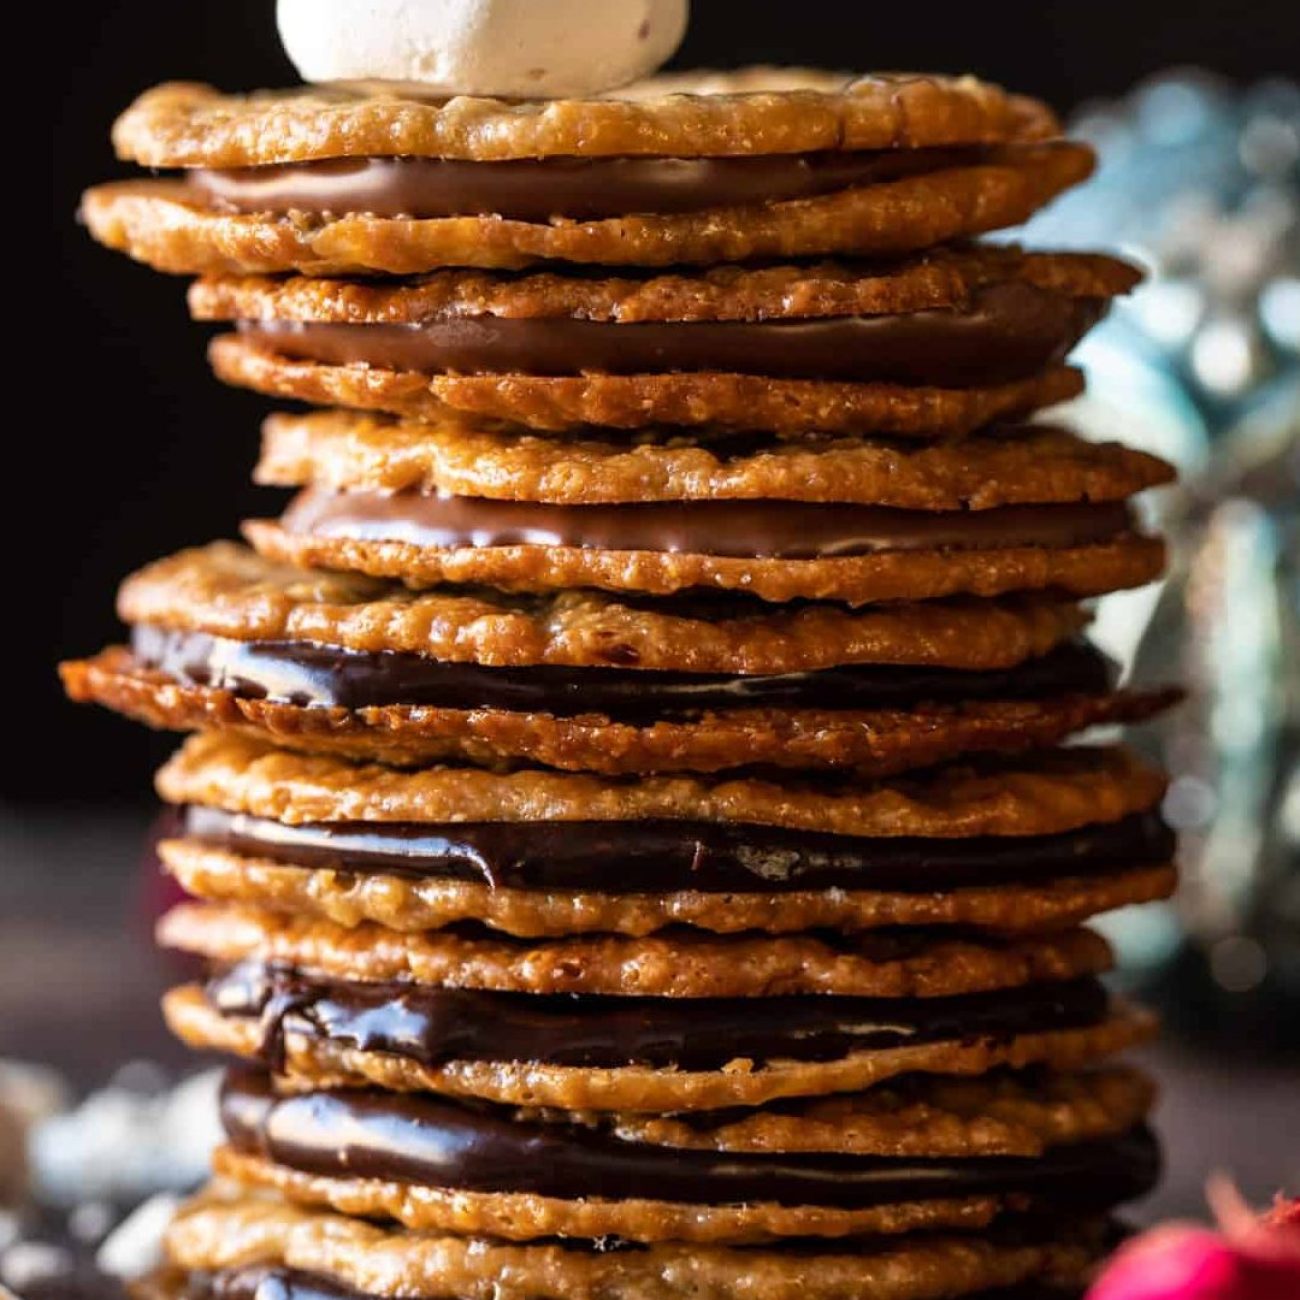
688,965
1058,791
315,1064
875,742
1093,569
350,898
159,223
926,1115
939,279
571,440
677,965
680,964
408,1159
709,400
230,591
182,125
185,124
231,1229
1034,464
523,1216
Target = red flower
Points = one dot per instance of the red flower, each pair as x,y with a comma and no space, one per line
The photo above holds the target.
1249,1258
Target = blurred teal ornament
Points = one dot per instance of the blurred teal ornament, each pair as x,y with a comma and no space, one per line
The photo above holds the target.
1200,183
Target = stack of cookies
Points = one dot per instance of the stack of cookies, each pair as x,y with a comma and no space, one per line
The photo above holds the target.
633,844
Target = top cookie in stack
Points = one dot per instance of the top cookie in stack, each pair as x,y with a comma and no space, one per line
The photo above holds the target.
640,726
686,170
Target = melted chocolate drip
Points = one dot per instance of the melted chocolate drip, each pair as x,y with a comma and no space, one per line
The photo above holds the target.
308,674
1008,332
428,1140
749,529
666,856
537,189
432,1025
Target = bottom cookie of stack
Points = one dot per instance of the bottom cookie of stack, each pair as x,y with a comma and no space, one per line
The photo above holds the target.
229,1246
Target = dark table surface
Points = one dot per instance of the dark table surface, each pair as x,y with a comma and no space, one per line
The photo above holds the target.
79,982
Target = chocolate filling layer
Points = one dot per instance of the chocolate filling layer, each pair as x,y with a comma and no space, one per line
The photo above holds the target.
1008,332
582,189
308,674
665,856
431,1025
435,1142
791,530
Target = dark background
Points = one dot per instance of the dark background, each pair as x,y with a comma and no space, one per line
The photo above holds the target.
148,453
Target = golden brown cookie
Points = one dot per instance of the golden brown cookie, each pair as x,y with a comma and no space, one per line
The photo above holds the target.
525,1217
1057,791
689,964
184,124
435,1163
881,164
719,1022
853,520
348,897
230,591
1003,1113
945,279
300,687
723,401
876,741
324,1064
160,223
1130,559
227,1231
988,322
1017,847
1013,466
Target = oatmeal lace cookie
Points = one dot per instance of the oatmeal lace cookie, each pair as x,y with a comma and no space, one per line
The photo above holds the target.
186,683
225,590
688,965
720,1021
311,1062
184,124
439,1164
226,1232
350,895
1018,848
1018,465
1076,551
170,227
680,170
975,283
1058,791
700,400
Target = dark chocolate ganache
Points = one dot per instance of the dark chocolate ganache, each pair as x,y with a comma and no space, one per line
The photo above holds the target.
537,189
434,1141
666,856
431,1025
791,530
310,674
1007,332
